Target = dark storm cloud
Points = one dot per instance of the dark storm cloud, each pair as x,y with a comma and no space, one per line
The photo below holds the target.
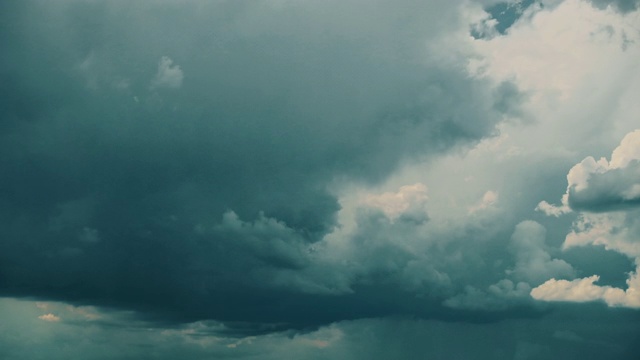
175,158
577,331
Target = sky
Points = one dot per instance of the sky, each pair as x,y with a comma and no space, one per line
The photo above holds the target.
299,179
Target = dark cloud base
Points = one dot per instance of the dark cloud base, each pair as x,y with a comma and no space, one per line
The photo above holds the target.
568,331
200,190
118,172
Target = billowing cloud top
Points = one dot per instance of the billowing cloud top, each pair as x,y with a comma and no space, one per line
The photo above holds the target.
608,195
607,185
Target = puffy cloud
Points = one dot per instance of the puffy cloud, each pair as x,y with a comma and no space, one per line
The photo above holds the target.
615,231
217,201
497,297
607,185
532,266
533,262
537,47
602,192
579,290
168,75
552,210
488,199
410,200
562,131
270,193
627,152
582,290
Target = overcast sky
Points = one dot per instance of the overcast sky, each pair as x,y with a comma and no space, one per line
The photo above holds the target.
298,179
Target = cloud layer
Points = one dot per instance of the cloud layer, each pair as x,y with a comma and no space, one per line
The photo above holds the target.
286,179
190,173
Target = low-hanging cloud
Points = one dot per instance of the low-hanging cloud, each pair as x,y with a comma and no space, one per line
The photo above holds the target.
199,186
337,179
533,263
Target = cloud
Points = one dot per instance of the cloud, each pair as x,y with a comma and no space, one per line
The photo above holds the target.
215,202
49,317
582,290
607,185
324,163
615,231
552,210
623,6
488,199
532,266
168,75
533,263
602,193
562,132
410,200
602,334
500,296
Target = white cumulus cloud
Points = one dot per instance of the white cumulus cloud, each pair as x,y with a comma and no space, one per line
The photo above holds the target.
604,193
583,290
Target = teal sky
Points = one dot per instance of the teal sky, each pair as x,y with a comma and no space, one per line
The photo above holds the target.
286,179
507,13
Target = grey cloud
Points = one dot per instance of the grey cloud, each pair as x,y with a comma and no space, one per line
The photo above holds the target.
615,189
600,186
169,75
508,339
605,193
612,266
460,266
533,263
603,185
115,193
623,6
178,165
579,332
501,296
